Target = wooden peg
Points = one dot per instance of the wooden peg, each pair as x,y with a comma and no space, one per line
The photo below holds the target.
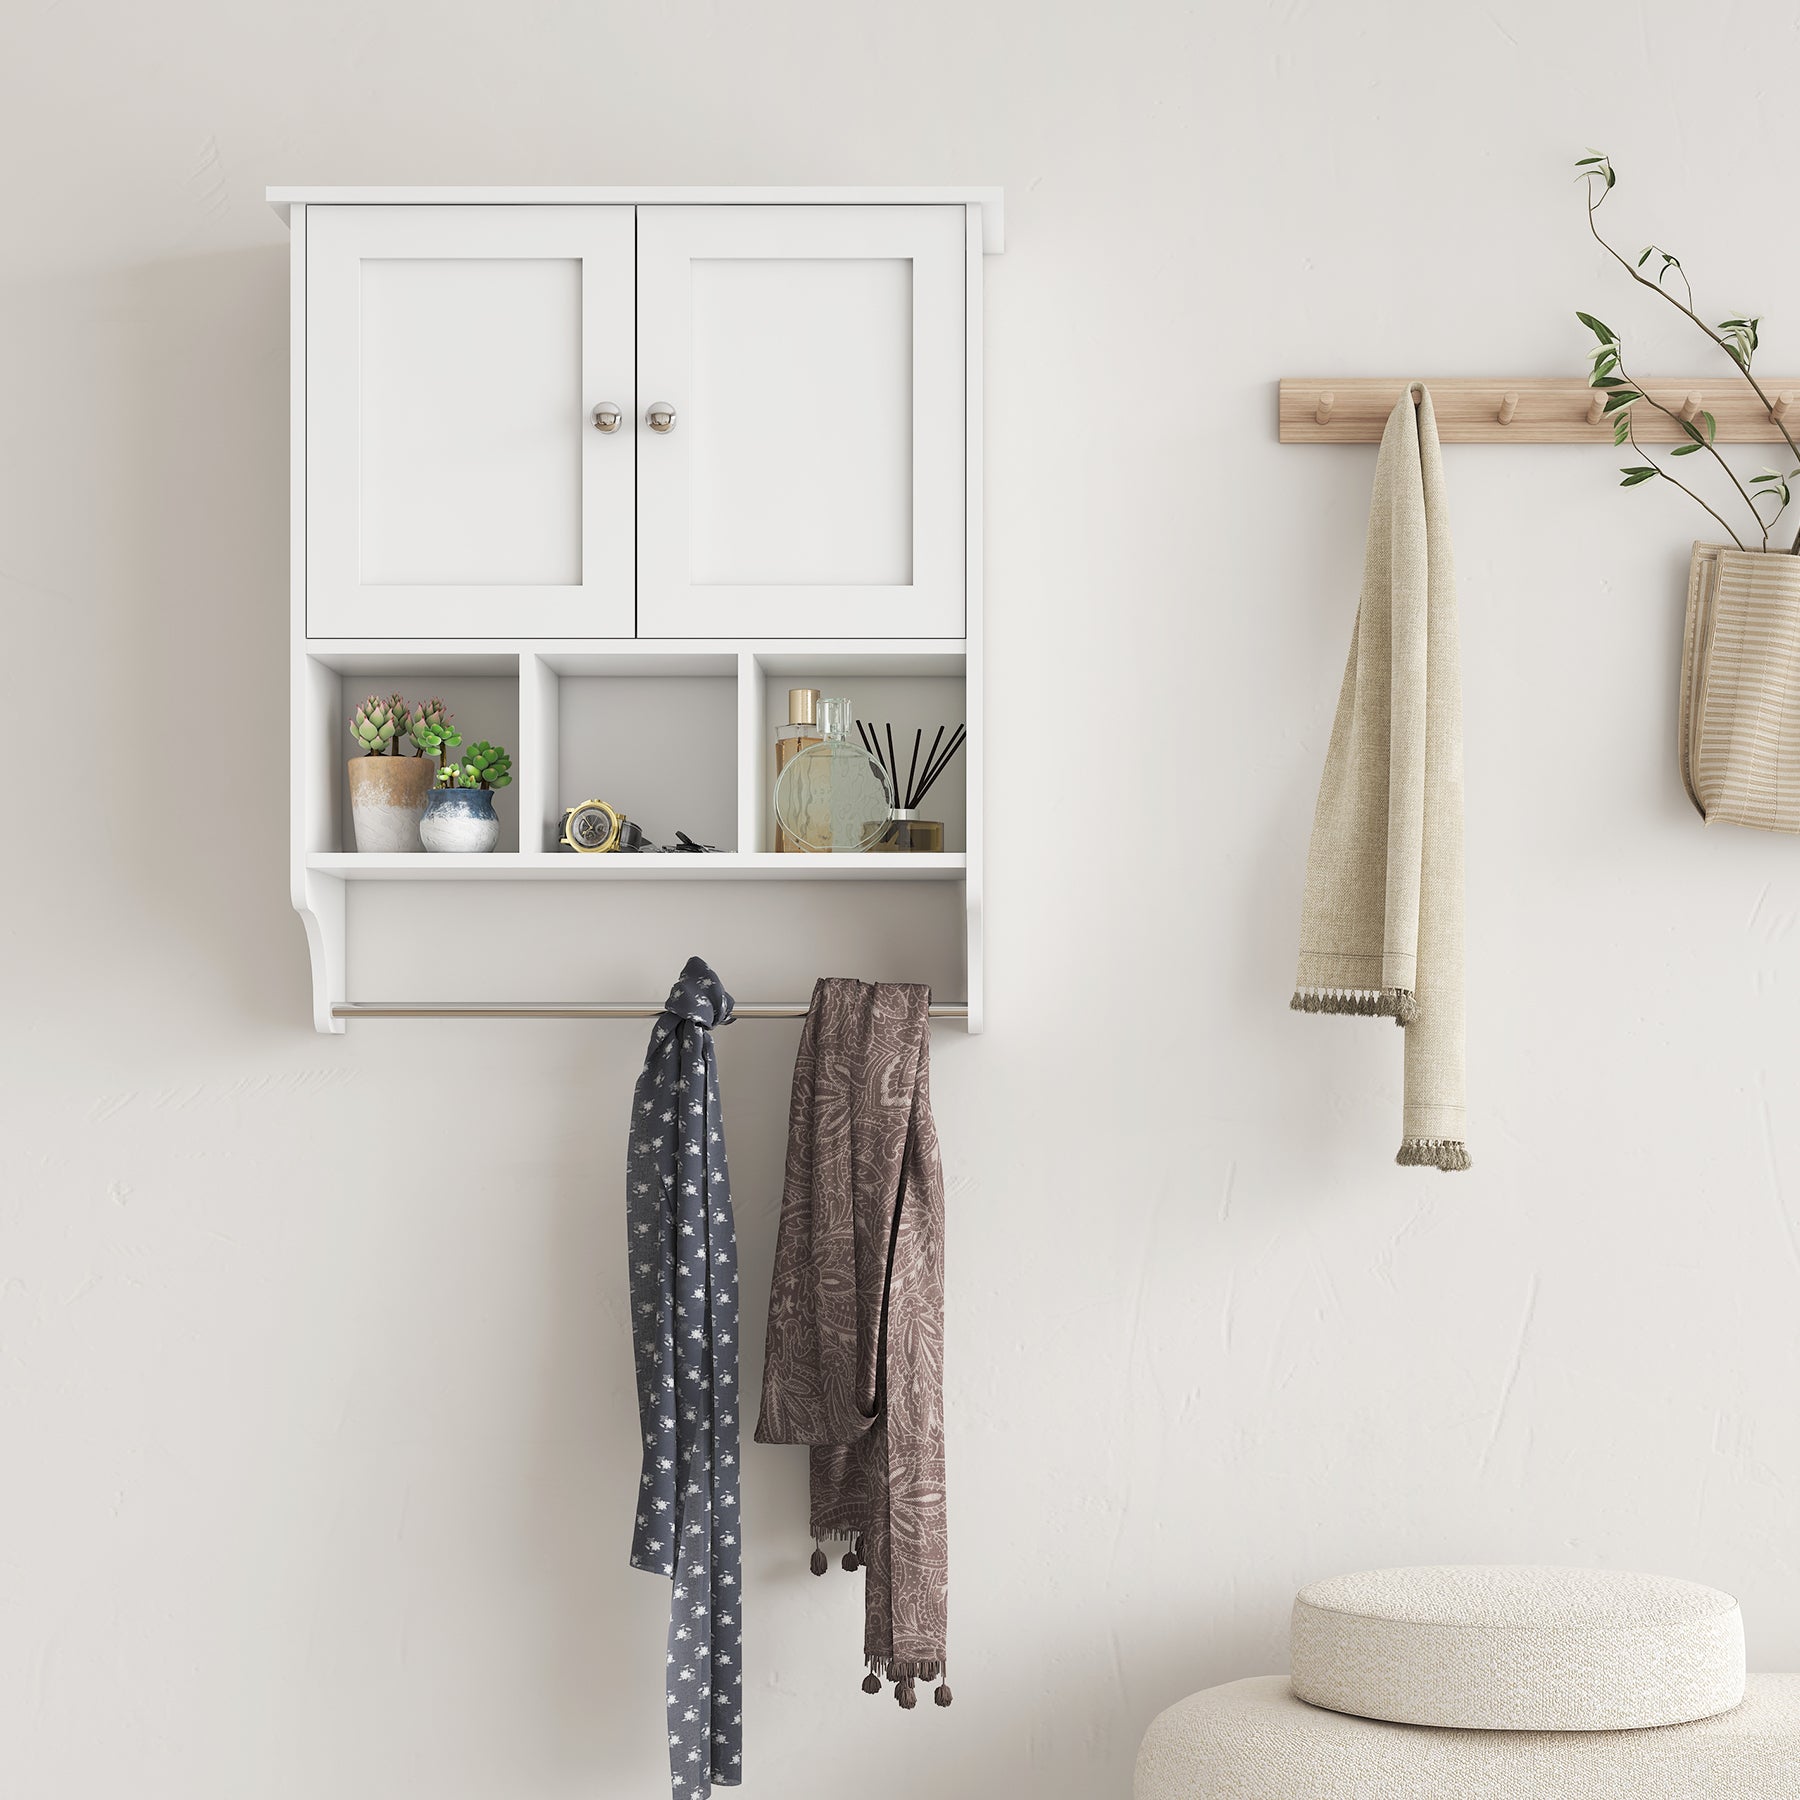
1322,412
1508,406
1689,407
1779,410
1597,407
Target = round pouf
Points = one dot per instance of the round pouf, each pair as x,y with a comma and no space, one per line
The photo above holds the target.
1518,1648
1252,1740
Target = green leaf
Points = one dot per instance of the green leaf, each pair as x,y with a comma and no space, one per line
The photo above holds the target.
1624,397
1589,161
1692,430
1634,476
1648,248
1712,426
1606,381
1621,428
1687,449
1603,332
1770,476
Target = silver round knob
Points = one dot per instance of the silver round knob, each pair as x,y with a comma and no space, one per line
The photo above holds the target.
659,415
607,417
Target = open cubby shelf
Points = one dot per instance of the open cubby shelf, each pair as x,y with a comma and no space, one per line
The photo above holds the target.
678,738
677,735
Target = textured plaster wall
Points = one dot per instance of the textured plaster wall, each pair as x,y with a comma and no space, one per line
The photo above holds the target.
314,1378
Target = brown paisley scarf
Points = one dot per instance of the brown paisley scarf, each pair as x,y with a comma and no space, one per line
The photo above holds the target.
855,1359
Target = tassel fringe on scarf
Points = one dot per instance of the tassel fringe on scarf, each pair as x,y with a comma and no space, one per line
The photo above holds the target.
855,1362
684,1319
1381,933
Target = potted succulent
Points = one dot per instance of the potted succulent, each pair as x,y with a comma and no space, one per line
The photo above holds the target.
459,810
1741,647
388,789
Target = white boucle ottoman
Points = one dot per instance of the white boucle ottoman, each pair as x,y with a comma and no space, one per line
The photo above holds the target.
1252,1740
1513,1648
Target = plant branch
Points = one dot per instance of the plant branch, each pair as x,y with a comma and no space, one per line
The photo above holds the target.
1741,364
1666,476
1704,443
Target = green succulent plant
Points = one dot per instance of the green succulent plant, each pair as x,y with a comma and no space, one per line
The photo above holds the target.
437,739
378,725
432,713
484,765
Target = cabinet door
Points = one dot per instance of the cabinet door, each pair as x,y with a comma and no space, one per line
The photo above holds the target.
811,484
455,483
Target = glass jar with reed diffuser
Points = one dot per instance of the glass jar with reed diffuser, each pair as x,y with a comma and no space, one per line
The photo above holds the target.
834,796
909,832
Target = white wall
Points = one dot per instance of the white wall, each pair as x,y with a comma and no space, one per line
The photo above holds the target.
316,1418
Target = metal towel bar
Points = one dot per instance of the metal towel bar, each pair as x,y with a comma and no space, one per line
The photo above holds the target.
579,1009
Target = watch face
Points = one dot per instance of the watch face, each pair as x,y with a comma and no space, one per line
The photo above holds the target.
592,826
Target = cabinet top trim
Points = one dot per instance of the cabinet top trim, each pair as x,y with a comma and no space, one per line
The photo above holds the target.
991,200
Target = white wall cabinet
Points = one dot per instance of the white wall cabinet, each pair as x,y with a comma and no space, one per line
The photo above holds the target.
801,476
790,496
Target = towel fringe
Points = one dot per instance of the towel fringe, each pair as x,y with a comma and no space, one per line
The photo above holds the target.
1448,1154
1398,1004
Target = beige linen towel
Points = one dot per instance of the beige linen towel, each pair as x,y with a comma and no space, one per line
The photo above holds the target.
1381,930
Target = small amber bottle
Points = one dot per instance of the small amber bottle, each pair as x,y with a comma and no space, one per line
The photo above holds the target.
801,730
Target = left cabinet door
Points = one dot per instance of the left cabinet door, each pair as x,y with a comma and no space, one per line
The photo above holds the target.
456,360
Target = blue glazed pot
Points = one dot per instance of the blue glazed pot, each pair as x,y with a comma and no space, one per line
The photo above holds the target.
459,821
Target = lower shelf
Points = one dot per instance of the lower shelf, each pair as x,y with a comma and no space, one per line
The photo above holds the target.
720,866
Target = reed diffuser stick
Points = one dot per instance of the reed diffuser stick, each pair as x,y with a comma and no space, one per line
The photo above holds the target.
930,757
912,768
943,762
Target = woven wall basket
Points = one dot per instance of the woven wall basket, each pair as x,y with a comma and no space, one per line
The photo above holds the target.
1740,688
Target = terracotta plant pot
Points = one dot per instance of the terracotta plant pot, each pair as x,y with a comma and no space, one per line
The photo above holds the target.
1739,724
460,822
387,801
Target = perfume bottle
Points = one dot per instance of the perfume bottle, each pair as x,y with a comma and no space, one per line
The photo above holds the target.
800,732
834,796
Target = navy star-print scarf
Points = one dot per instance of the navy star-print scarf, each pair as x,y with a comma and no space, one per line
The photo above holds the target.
684,1314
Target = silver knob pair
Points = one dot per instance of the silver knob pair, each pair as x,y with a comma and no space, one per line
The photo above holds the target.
659,415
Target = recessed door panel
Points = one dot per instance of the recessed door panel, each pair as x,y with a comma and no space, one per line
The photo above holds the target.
474,480
456,486
811,481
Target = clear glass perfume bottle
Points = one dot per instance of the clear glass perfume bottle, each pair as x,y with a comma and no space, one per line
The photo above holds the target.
834,796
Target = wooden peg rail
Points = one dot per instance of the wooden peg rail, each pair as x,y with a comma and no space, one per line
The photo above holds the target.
1534,409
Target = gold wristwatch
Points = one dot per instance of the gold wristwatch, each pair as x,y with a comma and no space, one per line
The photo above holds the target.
593,827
